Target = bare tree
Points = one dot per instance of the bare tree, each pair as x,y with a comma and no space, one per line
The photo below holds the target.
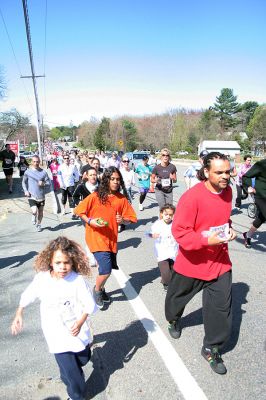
12,123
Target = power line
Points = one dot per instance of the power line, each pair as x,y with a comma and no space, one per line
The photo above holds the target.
44,62
33,76
16,60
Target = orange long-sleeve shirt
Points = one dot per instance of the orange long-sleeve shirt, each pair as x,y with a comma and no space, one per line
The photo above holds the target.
104,238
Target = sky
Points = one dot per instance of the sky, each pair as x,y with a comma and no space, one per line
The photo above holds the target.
109,58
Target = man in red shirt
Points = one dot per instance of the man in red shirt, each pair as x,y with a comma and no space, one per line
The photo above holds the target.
202,227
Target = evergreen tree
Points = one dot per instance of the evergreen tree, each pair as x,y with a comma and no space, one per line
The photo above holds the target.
101,133
226,107
257,129
129,135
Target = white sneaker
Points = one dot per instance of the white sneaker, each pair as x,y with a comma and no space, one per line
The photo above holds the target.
140,207
33,219
39,228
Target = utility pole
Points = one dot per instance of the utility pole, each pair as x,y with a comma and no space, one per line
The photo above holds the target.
33,76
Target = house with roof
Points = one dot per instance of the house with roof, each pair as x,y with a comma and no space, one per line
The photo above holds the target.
230,147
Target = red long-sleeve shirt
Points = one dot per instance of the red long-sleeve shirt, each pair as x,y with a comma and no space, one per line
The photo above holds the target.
198,210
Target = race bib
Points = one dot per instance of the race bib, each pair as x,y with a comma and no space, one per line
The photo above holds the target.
222,229
144,177
23,168
8,161
166,182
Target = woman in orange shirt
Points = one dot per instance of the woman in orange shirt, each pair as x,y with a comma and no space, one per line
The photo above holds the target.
102,212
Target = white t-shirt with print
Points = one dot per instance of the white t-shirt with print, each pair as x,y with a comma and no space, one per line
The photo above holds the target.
165,246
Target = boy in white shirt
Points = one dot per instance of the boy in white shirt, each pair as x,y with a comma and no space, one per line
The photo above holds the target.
165,245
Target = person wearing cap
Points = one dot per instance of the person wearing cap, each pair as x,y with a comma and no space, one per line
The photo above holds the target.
143,172
163,175
191,174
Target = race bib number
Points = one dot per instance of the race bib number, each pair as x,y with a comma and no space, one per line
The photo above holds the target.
23,168
144,177
8,161
166,182
222,229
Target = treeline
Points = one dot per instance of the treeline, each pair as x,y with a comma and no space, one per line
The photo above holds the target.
178,129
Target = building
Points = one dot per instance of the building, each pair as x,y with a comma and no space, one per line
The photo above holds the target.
230,147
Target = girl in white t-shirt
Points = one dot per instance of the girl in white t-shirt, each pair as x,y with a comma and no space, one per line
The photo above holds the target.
165,245
65,304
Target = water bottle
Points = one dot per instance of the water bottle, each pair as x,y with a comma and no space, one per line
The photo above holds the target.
68,315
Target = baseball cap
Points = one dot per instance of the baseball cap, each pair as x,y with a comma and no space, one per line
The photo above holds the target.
145,157
85,168
203,153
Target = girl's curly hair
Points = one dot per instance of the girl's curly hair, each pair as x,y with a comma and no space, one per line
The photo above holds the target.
70,248
214,155
104,186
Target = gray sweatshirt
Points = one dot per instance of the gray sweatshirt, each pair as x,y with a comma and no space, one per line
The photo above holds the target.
30,183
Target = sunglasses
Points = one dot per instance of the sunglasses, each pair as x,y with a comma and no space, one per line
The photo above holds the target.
127,161
165,155
90,158
66,158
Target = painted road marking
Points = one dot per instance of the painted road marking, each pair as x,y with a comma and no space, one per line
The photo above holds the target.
179,372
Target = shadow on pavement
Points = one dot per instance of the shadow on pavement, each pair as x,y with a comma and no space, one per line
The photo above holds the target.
119,348
17,260
137,280
61,226
144,221
132,242
258,241
239,293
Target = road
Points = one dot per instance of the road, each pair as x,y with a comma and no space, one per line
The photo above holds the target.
133,356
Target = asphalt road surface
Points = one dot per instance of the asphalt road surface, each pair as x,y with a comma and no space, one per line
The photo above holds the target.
133,356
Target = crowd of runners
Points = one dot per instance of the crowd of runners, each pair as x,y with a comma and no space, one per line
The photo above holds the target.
190,241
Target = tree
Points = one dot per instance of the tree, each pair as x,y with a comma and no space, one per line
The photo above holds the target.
257,129
101,133
12,123
179,133
129,135
225,108
246,112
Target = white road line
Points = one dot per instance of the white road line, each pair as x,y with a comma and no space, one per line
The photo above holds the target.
182,377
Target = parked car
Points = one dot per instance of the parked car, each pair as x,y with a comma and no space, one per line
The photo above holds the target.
27,154
135,158
182,153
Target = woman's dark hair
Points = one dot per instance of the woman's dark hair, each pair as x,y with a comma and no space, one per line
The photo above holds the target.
104,186
214,155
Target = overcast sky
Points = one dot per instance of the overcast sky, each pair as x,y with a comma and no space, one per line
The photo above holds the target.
111,57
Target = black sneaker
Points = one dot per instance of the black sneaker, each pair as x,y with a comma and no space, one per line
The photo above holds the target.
105,297
247,241
174,329
214,359
98,297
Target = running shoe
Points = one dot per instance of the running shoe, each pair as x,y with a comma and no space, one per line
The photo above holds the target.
33,219
39,228
140,207
214,359
98,297
247,240
174,329
10,191
105,297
